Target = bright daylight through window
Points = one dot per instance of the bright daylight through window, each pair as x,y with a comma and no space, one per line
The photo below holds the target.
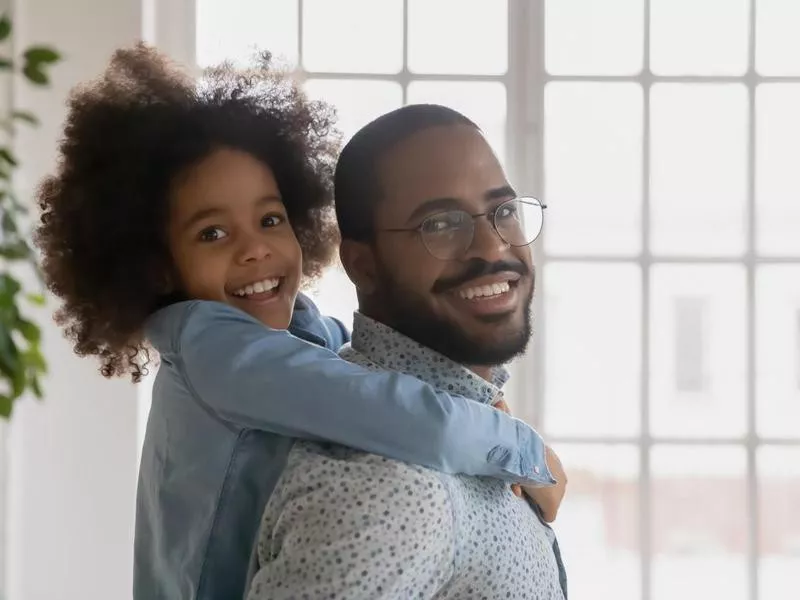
664,136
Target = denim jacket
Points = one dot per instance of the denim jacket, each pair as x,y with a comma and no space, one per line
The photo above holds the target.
230,397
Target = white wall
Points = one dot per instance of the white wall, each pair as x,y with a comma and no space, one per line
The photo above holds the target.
72,459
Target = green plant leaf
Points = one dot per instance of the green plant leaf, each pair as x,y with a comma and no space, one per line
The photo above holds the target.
6,64
9,355
17,250
6,406
9,286
24,115
30,331
6,155
9,224
36,299
33,357
35,75
19,381
36,387
41,55
5,27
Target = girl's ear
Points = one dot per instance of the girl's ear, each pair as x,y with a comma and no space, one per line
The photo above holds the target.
168,282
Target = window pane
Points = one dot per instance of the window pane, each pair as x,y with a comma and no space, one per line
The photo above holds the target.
593,358
353,36
778,350
779,519
699,37
699,526
699,169
586,37
336,296
357,102
777,42
476,39
697,344
483,102
593,168
236,29
598,524
777,173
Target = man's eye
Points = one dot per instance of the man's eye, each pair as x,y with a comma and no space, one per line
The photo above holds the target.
212,234
443,223
272,221
509,211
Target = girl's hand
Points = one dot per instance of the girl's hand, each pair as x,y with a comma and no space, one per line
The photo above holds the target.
547,498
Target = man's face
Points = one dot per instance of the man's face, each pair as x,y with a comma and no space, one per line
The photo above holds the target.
475,308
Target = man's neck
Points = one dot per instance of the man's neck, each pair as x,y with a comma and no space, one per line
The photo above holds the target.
482,371
388,348
374,313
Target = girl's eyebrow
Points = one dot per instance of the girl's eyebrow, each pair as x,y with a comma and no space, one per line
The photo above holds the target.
205,213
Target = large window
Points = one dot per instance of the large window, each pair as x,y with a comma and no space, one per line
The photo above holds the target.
664,136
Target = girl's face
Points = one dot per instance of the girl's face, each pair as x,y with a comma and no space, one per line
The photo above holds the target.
231,240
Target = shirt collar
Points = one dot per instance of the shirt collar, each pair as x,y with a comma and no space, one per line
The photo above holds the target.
392,350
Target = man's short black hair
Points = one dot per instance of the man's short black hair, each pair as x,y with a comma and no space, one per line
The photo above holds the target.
357,187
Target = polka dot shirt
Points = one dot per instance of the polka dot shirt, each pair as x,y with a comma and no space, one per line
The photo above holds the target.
350,525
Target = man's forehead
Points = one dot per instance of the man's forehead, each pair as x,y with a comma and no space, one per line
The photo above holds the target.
450,160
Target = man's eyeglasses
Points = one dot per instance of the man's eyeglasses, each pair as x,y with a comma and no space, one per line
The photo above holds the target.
448,235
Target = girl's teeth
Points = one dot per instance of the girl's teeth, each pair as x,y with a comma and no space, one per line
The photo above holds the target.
258,287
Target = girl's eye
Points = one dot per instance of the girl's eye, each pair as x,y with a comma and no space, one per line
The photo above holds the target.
272,220
212,234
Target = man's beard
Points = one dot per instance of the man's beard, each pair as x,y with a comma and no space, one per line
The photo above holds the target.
408,314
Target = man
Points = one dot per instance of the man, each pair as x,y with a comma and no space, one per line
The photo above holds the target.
437,244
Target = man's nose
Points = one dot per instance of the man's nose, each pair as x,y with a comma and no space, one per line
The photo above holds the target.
487,243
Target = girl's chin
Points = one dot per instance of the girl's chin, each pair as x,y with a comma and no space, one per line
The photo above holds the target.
273,309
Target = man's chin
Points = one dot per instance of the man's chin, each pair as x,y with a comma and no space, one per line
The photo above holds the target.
502,344
489,341
507,318
457,331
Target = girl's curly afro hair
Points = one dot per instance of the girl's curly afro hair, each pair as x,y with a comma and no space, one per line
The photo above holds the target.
128,135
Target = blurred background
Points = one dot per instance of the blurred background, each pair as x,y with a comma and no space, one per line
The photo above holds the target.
664,135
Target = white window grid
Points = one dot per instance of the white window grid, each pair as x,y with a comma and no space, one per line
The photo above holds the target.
527,40
525,82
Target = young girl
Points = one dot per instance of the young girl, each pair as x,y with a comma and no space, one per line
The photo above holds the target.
184,219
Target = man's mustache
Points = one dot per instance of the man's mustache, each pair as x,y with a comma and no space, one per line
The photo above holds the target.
477,267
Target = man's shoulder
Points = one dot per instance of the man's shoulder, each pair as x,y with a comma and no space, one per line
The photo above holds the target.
350,354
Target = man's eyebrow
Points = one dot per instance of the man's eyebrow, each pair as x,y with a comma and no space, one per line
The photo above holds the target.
448,203
434,205
500,193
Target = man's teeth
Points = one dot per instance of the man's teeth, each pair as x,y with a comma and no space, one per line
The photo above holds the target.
258,287
484,291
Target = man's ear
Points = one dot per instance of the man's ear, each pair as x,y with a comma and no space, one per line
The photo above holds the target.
358,260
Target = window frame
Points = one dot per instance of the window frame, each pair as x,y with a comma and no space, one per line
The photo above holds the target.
525,82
